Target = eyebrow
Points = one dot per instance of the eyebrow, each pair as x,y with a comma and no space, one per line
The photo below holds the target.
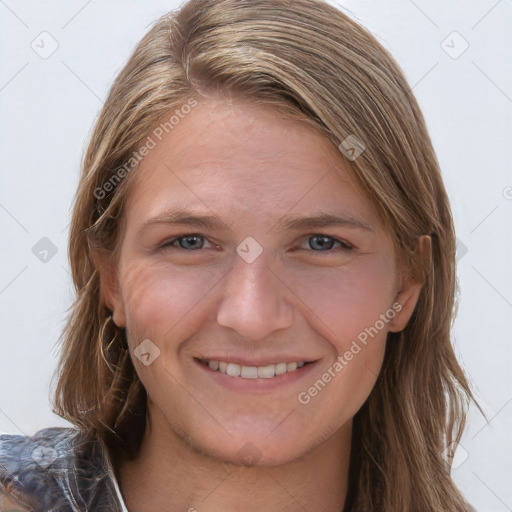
320,220
288,221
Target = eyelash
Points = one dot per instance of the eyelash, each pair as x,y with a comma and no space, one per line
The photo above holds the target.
344,246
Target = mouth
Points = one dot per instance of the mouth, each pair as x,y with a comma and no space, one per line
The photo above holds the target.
253,372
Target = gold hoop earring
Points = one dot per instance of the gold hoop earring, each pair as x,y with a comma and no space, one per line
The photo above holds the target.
105,346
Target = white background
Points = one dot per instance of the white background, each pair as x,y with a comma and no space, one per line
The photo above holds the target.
47,110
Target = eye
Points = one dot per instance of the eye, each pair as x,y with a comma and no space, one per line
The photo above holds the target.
323,243
190,242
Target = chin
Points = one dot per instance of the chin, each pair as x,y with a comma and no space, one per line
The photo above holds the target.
254,448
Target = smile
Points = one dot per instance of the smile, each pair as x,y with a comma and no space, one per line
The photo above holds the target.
253,372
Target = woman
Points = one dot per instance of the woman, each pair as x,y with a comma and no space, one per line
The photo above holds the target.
264,258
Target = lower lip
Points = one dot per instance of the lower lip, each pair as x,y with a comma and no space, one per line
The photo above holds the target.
241,384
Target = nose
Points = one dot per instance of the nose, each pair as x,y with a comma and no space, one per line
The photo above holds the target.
254,300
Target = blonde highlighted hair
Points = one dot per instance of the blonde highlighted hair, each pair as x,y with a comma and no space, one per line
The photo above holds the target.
308,60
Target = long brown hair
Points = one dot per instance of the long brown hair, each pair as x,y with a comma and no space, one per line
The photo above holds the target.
309,60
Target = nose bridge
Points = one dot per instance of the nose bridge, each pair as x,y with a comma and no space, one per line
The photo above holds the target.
254,301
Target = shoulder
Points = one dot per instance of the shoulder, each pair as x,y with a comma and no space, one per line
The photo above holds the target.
23,461
54,469
39,448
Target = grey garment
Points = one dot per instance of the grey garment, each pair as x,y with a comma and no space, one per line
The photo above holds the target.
57,470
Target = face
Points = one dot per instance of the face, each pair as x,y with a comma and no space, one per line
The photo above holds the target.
249,248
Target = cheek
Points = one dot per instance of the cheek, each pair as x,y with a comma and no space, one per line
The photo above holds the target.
342,303
351,309
159,301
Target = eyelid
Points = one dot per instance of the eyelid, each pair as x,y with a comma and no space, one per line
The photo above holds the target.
168,243
347,246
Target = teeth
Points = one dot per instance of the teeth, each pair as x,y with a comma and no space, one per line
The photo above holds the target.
290,367
266,372
253,372
233,370
281,368
249,372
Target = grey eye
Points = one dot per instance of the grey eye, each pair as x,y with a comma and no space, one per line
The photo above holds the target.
191,242
324,243
321,242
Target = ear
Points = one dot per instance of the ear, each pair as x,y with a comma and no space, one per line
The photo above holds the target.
409,290
109,286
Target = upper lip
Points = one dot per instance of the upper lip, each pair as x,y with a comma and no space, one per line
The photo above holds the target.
260,361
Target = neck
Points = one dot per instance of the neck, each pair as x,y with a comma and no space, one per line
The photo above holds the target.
170,475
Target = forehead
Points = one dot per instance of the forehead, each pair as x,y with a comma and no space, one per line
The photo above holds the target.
246,155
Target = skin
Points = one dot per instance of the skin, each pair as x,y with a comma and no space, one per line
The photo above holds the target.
249,167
